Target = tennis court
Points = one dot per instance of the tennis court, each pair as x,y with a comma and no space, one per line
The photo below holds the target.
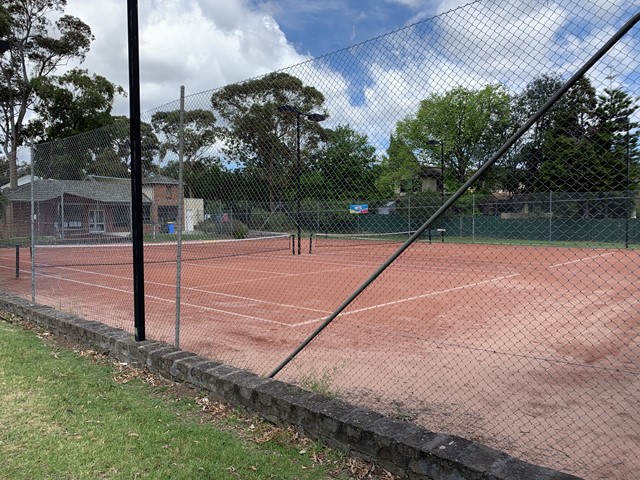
258,288
482,319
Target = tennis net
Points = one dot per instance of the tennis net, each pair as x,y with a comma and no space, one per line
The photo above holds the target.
327,241
161,252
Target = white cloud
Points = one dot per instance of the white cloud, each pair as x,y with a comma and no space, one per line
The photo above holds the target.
201,45
501,44
406,3
476,46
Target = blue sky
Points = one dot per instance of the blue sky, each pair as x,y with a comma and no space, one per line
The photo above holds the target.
318,27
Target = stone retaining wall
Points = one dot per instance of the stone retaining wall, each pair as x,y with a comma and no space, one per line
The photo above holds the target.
400,447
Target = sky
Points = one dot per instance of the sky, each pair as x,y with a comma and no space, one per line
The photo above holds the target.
207,44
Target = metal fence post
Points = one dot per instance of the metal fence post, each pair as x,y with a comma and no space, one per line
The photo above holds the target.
33,230
550,215
180,218
473,218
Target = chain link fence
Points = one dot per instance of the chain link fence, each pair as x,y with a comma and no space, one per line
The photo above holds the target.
513,319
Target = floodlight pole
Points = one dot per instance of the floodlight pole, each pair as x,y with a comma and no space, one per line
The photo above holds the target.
626,121
441,143
298,185
627,192
316,117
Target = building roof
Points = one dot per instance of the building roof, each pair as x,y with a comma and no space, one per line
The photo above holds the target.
433,172
23,180
102,178
50,189
159,180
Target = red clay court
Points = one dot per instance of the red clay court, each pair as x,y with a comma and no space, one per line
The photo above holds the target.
481,338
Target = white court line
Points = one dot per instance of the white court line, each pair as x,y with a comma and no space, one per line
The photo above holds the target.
200,290
395,302
166,300
279,276
430,294
218,267
249,299
307,322
408,299
438,264
580,260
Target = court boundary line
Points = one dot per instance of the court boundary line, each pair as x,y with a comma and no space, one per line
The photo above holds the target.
471,285
167,300
416,297
199,289
195,289
557,265
306,322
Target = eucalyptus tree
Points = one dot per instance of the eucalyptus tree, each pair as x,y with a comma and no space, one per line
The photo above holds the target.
585,149
399,169
259,138
525,160
70,104
198,137
38,45
347,166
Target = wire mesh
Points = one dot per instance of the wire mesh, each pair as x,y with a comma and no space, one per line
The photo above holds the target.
514,320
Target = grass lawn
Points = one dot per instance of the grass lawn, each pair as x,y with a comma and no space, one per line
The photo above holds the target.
69,413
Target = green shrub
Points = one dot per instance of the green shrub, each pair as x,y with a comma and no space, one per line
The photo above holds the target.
270,221
206,226
238,229
232,228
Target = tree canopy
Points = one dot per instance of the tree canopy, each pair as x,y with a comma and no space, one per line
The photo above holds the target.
470,124
257,137
199,134
38,46
400,168
586,148
522,165
345,168
70,104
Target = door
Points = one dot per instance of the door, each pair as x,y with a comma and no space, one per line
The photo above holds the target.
96,221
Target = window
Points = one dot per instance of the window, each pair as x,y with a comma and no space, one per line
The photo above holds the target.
167,213
146,214
168,190
70,216
121,216
96,221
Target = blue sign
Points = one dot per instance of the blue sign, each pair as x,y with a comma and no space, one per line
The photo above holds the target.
359,209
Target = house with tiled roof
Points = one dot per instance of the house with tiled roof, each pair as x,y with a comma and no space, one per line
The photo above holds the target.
97,207
163,192
69,209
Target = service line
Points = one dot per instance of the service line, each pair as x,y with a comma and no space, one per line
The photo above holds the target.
417,297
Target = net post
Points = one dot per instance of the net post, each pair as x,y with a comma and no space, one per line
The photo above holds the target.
17,260
310,243
293,243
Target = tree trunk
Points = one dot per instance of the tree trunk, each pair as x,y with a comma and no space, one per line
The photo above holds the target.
13,169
